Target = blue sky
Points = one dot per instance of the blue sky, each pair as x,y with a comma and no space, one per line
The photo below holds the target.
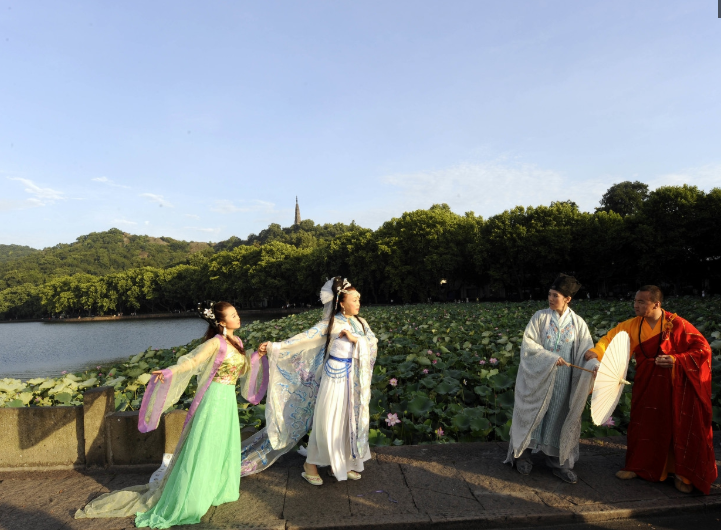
202,120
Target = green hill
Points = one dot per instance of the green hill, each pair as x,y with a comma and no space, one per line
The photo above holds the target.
98,253
101,253
13,252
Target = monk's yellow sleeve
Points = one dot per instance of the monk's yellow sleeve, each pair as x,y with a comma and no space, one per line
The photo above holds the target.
602,344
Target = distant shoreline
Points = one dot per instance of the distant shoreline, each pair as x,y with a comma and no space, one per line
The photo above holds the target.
151,316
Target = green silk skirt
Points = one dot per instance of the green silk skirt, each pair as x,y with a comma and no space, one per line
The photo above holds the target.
207,471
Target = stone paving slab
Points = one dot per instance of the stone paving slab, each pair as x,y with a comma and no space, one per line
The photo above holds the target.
415,488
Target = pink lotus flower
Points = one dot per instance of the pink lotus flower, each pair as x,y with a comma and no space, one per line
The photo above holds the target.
425,370
482,361
438,354
393,382
97,368
392,419
493,360
64,372
435,361
439,432
430,352
609,423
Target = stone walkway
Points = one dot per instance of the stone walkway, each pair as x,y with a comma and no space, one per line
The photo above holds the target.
418,487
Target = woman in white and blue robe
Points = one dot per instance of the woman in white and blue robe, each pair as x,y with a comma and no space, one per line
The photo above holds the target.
320,380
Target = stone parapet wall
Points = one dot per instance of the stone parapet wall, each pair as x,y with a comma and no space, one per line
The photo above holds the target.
91,435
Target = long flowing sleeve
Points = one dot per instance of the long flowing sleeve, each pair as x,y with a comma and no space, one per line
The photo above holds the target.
294,373
364,354
303,340
161,395
629,326
534,384
581,386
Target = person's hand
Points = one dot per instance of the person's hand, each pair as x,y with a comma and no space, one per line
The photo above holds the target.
348,335
263,348
158,376
561,362
590,354
665,361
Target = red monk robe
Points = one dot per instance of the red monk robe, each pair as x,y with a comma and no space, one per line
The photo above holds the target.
670,427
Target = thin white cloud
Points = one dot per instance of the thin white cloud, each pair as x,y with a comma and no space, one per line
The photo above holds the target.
156,198
487,188
493,187
192,216
208,230
704,177
256,205
10,206
41,196
124,222
109,182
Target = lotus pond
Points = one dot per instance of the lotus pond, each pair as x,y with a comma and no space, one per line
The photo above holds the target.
444,373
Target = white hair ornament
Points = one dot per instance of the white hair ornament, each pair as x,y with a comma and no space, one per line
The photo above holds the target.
327,296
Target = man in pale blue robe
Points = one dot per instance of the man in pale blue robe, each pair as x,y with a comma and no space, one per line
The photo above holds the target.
550,395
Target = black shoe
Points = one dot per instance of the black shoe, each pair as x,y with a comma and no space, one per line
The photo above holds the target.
524,467
566,475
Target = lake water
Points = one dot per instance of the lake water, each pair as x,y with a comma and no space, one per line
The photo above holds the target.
38,349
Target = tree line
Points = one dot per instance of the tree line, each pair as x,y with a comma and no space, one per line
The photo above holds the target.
669,237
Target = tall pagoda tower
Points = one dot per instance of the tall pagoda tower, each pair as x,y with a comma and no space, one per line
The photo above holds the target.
297,212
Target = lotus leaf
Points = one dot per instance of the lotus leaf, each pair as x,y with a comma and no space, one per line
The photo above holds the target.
136,358
114,382
481,424
483,391
88,383
501,382
63,397
47,384
135,372
144,378
11,385
420,405
506,399
448,386
461,421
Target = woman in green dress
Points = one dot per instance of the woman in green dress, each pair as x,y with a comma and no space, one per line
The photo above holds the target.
205,468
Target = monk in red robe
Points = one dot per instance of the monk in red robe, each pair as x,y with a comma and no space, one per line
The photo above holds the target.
670,428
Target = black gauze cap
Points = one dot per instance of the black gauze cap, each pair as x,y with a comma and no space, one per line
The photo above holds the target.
566,285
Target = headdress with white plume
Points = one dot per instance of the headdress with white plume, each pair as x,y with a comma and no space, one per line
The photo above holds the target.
327,296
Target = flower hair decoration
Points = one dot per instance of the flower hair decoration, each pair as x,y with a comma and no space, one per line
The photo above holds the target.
207,313
343,289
